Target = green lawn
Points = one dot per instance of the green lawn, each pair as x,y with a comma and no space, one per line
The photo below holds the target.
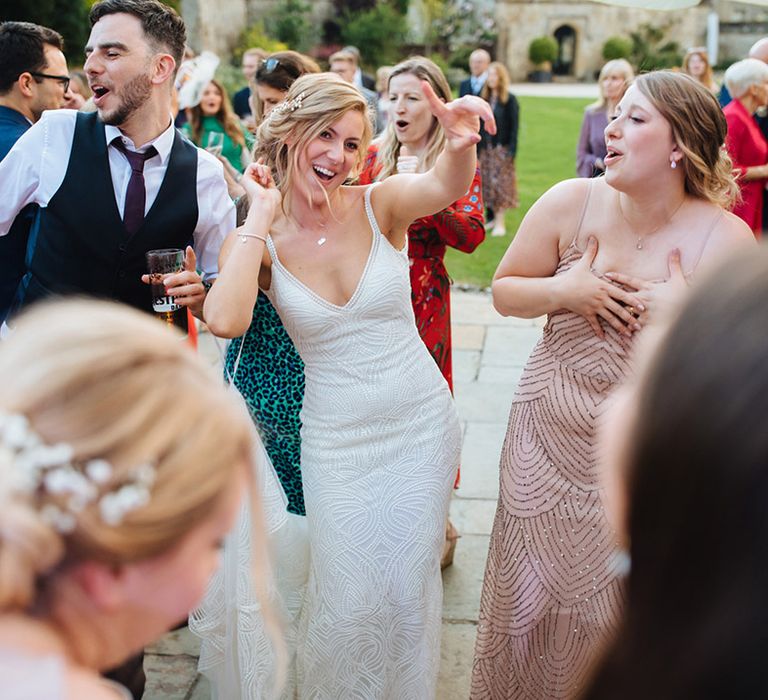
546,154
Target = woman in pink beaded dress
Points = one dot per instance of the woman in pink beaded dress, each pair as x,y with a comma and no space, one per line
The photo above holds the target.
553,592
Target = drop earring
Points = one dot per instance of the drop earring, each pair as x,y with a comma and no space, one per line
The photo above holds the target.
673,164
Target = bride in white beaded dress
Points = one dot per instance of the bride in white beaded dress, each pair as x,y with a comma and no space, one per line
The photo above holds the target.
380,436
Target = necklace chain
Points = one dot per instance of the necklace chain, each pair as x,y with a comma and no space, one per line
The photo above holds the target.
639,244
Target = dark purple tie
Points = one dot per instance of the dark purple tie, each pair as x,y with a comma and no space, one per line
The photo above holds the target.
136,194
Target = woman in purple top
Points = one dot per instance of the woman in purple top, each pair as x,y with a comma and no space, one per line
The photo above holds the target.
615,77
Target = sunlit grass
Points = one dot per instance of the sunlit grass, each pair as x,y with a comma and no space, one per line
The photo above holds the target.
549,130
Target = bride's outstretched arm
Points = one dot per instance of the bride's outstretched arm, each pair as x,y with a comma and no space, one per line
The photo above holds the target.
402,198
228,307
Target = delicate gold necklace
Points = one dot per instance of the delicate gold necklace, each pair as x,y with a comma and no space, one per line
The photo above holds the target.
639,244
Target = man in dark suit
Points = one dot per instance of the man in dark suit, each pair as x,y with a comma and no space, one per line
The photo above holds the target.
33,78
479,60
361,80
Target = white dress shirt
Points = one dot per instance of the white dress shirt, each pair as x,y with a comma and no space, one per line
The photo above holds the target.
35,168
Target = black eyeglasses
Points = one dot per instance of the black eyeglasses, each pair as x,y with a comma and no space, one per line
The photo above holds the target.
63,79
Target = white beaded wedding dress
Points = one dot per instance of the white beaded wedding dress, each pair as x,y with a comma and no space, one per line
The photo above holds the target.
380,447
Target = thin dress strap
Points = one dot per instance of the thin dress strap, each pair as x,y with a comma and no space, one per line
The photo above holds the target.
369,210
590,187
714,223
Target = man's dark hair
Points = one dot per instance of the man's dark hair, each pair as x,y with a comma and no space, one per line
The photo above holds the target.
161,24
22,50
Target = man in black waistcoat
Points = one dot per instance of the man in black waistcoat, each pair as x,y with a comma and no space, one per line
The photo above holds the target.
114,184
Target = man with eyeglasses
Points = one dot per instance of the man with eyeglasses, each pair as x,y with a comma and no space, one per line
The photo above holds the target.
33,78
117,183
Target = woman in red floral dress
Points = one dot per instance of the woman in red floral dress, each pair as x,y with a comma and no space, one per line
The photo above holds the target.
410,143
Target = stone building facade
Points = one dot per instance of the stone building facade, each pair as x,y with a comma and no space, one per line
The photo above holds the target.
580,27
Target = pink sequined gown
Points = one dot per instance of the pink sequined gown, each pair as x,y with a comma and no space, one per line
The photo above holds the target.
552,592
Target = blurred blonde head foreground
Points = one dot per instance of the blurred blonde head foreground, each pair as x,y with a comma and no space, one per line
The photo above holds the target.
114,385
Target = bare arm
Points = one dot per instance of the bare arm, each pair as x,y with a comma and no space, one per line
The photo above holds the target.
228,307
524,284
400,199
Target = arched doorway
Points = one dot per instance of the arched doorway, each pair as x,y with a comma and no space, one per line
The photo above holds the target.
565,35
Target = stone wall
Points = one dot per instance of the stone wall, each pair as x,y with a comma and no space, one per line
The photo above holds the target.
216,25
593,23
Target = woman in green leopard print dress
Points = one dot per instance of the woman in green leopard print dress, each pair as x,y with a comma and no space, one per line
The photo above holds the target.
270,377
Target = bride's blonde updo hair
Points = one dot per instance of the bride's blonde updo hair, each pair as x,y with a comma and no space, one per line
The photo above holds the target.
313,104
115,385
699,129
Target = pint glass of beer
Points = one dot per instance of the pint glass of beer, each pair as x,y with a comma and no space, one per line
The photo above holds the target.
160,264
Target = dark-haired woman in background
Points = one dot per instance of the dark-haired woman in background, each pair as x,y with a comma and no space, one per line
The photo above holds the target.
275,74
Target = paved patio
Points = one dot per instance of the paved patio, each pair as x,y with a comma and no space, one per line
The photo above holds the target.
489,354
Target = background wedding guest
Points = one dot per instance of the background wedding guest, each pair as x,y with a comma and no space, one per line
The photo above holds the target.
275,74
411,143
615,77
747,81
79,93
686,453
112,508
497,152
241,99
214,115
479,60
361,79
696,64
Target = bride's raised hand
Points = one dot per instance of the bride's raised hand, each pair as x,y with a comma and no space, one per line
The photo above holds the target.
460,118
259,185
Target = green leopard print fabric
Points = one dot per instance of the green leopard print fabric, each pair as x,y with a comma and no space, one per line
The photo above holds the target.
270,378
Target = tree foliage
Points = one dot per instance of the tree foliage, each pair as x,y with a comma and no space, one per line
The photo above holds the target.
617,47
255,37
68,17
379,33
290,23
542,49
652,50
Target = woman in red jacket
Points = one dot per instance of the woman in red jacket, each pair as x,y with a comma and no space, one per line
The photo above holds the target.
747,81
410,143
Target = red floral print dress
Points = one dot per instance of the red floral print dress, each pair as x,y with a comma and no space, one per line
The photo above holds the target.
461,226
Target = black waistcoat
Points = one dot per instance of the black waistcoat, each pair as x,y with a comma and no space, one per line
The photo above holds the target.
79,245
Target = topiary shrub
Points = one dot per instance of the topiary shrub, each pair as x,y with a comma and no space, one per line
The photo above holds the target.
542,49
617,47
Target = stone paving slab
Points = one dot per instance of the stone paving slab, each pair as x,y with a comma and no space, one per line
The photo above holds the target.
480,460
456,661
468,337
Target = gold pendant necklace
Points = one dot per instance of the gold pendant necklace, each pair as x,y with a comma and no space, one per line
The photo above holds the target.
639,244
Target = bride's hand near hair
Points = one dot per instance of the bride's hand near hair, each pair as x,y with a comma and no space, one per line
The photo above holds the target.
460,118
259,185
